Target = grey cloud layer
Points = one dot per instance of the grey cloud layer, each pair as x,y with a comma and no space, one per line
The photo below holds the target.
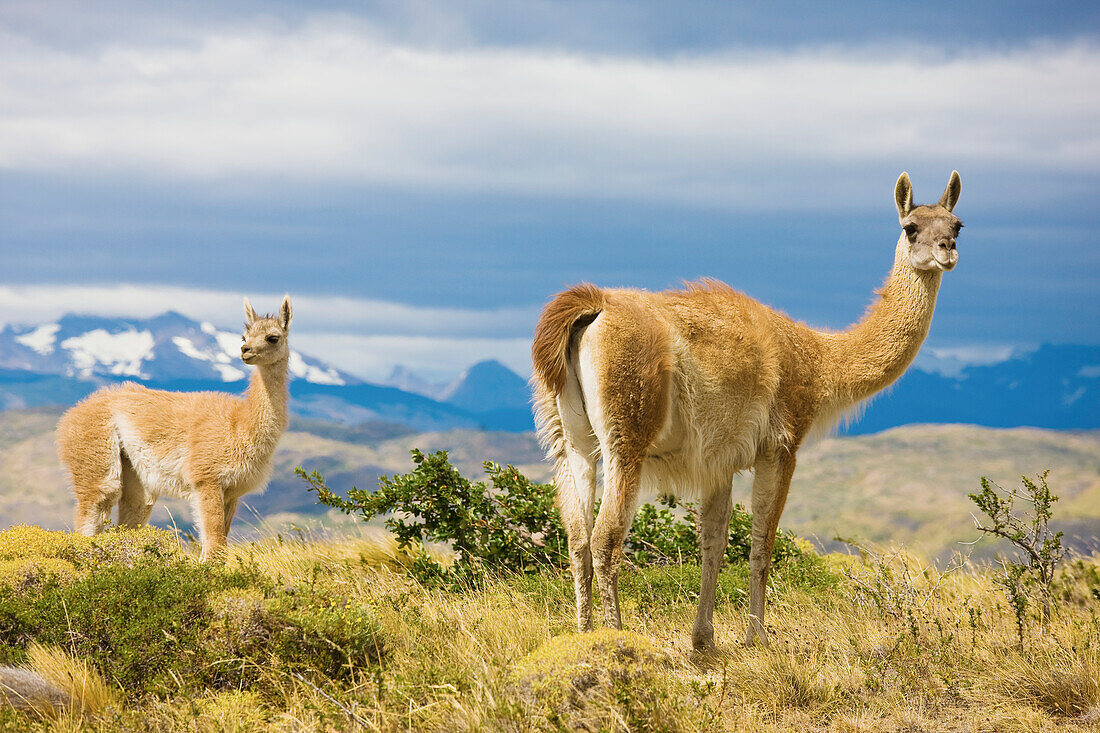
319,314
333,102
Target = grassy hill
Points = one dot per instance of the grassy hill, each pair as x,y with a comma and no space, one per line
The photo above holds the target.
333,635
907,485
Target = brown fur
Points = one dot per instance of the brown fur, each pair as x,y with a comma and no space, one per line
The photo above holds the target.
635,377
678,391
127,444
550,349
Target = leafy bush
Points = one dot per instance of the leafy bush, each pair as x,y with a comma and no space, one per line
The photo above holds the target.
510,523
662,536
327,636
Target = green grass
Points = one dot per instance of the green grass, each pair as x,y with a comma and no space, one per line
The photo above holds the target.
157,623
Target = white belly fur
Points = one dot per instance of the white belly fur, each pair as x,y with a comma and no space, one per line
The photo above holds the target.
166,474
161,475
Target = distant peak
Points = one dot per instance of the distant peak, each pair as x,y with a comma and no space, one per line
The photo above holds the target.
72,322
487,385
488,366
400,371
171,318
170,314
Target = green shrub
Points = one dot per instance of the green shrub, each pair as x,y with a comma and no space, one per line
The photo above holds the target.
312,634
1039,549
511,523
164,624
324,636
661,536
139,624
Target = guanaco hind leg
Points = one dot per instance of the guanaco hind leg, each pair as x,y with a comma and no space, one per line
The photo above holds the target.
135,505
714,534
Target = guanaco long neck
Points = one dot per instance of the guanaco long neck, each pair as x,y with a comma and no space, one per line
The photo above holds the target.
265,406
874,352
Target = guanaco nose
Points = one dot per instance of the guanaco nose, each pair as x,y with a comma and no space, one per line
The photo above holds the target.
948,244
245,350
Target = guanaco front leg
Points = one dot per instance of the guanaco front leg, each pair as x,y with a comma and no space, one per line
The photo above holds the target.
210,510
769,494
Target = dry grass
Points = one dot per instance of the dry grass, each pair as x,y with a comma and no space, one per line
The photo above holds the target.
297,556
1058,673
77,689
86,689
943,658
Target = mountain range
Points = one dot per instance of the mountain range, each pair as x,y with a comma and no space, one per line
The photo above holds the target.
1054,386
164,348
61,362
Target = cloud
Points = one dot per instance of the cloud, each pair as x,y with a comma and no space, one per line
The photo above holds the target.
316,314
335,100
950,361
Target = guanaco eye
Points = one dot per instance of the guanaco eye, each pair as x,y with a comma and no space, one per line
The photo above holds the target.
273,339
910,229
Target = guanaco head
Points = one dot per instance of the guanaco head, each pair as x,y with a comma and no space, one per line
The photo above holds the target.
265,336
930,230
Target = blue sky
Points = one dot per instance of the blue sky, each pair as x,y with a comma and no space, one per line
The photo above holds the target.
422,176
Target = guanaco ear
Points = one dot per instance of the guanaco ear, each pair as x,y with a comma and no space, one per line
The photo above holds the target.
903,195
249,313
951,193
286,313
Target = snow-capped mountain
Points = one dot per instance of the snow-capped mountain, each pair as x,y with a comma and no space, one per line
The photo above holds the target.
166,347
59,363
62,362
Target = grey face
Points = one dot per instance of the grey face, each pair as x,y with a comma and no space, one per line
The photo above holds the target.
930,230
